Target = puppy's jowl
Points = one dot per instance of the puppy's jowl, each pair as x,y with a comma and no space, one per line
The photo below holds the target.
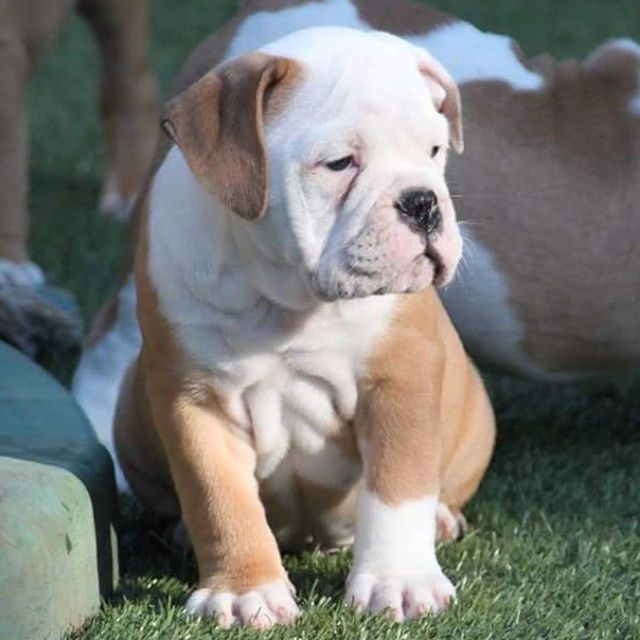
299,378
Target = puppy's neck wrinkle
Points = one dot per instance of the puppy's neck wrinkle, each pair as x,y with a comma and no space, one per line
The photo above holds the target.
275,276
212,282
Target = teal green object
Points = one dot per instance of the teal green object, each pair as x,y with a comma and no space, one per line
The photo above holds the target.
58,504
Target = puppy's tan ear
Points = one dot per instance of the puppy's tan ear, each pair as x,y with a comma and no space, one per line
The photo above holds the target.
218,123
446,96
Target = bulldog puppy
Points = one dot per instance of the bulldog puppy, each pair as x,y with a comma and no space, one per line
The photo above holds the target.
128,110
299,379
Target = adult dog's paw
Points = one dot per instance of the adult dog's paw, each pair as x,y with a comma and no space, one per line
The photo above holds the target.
262,608
115,204
20,274
400,597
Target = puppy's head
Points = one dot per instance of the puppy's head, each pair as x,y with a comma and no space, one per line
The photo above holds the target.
328,149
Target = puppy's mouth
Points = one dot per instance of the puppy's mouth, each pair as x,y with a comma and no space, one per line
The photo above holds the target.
439,269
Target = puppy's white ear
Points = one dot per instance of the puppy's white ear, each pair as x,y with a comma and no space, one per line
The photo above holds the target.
446,96
218,123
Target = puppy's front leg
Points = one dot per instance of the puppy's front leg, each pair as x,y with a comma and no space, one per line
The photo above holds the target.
395,569
242,579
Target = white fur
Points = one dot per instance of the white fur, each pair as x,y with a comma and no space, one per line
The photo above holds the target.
471,55
395,569
98,377
261,608
468,54
20,274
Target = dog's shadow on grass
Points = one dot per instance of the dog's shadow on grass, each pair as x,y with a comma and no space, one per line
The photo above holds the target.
565,453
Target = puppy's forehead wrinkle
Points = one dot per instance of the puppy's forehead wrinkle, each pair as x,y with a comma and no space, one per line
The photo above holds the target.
340,73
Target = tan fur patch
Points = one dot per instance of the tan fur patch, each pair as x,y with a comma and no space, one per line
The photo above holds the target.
218,125
401,18
421,401
558,177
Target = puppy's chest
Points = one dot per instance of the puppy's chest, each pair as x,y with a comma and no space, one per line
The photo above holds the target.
299,403
297,399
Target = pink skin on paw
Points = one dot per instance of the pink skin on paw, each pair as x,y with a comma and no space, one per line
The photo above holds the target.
400,597
263,608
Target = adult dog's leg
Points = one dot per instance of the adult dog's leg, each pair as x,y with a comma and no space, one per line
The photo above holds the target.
128,98
15,267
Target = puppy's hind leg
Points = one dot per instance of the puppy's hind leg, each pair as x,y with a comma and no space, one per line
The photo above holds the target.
128,98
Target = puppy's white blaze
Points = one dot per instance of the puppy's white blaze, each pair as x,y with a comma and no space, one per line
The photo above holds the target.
99,375
471,55
393,541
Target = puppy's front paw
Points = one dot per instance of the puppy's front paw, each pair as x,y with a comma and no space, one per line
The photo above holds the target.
262,608
400,597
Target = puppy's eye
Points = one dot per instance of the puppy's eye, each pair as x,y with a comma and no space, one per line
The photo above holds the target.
435,151
340,164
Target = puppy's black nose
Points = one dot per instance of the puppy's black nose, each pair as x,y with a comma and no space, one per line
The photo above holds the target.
420,207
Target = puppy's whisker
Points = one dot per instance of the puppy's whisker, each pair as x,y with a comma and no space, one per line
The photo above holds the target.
471,223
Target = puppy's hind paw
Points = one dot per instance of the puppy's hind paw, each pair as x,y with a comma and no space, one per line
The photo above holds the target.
450,525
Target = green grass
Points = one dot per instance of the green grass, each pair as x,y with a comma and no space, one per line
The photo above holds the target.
554,549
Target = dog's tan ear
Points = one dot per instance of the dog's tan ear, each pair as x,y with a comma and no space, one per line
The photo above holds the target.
218,124
446,96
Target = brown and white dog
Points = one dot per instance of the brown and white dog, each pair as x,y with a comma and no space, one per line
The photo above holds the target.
286,390
128,109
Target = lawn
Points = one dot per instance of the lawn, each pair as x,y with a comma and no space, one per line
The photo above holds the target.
554,548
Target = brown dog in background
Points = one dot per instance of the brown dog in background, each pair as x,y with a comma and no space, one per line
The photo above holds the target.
128,109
